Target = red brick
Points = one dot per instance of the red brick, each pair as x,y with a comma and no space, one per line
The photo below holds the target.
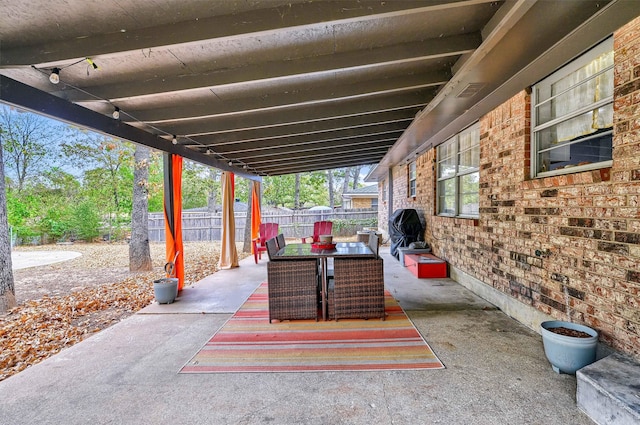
516,219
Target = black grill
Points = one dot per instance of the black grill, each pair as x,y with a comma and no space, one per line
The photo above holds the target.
405,227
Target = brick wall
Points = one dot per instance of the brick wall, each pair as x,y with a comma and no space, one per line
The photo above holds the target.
383,204
568,245
424,190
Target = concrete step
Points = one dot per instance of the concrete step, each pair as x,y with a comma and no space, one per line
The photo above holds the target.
608,390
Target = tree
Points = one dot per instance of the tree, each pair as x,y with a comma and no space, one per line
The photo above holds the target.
313,188
278,190
139,251
108,173
330,188
347,177
195,185
356,177
155,183
27,138
213,190
241,193
296,196
246,247
19,212
54,203
85,220
7,289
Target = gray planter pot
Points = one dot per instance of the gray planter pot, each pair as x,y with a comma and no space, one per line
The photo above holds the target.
165,290
567,354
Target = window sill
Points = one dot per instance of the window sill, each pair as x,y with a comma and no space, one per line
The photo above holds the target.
575,169
569,179
463,219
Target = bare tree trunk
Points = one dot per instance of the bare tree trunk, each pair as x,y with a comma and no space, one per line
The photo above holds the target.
330,187
345,183
356,177
246,246
7,288
212,198
296,202
139,251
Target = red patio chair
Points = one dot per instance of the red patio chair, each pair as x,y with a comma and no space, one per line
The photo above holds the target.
319,228
266,231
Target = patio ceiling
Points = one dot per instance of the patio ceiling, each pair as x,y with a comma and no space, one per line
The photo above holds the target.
277,87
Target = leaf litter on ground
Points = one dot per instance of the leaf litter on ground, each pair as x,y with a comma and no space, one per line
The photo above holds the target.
44,324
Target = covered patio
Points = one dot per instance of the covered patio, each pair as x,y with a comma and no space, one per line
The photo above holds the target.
280,87
495,369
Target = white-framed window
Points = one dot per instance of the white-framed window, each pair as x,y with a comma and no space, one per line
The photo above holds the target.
572,115
459,175
412,179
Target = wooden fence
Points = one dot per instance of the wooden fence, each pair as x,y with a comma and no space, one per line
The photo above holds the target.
205,226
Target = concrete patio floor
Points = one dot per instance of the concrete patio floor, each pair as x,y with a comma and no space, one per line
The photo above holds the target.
496,371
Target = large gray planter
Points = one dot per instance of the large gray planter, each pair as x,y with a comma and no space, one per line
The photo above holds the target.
165,290
567,354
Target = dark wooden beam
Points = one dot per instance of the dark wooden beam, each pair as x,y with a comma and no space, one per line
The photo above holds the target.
26,97
432,49
211,27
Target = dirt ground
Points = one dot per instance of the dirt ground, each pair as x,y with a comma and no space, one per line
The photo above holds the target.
105,263
99,264
62,303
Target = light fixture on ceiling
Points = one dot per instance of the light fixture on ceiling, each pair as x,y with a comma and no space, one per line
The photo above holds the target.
230,163
92,63
54,77
174,140
116,113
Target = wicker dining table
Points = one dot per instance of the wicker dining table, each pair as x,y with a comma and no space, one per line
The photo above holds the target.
306,251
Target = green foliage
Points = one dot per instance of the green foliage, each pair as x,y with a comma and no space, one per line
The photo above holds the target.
108,174
280,190
85,220
108,167
195,185
54,222
62,183
313,189
155,184
351,226
242,190
91,193
20,209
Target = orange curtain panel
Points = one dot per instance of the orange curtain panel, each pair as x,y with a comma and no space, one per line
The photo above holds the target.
255,211
173,215
228,252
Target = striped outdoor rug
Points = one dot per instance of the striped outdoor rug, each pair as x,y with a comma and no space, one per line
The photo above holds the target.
249,343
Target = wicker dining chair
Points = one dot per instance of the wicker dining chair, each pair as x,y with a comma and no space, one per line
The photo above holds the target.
293,289
281,241
272,247
373,243
357,290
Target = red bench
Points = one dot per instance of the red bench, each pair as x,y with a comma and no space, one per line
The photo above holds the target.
426,265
